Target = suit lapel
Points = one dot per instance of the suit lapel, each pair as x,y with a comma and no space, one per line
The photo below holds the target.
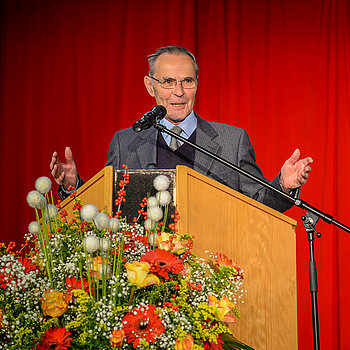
205,136
146,147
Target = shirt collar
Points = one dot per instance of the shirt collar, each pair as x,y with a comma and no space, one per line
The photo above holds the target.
188,125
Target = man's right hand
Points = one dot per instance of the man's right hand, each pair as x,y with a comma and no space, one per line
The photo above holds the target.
65,174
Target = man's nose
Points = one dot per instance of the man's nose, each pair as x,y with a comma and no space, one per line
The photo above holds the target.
178,89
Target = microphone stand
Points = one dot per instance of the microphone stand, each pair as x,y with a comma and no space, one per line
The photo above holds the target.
309,220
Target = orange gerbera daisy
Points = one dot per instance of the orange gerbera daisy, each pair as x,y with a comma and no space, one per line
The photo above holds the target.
223,260
142,323
57,339
162,262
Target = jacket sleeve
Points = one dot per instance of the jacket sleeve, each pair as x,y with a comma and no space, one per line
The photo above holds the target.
247,161
63,193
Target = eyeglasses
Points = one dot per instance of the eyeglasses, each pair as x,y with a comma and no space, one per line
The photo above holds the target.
170,83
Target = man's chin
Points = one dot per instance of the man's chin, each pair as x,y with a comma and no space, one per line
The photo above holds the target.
176,118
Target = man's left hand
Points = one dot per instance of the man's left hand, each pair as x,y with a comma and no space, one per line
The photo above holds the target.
295,171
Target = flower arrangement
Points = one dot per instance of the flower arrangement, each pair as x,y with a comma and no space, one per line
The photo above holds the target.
98,282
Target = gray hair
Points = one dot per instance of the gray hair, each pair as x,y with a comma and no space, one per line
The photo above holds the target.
173,50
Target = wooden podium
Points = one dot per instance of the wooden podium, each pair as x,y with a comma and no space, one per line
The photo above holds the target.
260,239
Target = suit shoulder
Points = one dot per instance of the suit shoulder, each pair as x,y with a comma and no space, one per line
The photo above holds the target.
226,129
125,132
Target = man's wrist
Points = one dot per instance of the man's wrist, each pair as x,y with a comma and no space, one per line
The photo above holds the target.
295,192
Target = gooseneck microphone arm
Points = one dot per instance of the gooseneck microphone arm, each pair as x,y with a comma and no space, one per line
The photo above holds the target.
297,201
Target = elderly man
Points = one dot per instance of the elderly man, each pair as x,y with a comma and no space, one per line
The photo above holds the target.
173,82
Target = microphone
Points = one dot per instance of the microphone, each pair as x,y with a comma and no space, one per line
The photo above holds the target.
150,118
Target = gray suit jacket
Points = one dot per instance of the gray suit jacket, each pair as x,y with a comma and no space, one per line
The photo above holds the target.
137,150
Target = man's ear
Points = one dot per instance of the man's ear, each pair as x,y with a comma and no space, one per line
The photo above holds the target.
148,83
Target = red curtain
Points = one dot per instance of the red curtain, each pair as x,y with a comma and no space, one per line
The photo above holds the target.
72,74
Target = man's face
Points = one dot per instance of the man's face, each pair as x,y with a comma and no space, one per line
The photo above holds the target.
178,101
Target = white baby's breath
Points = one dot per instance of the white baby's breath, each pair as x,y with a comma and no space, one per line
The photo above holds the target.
161,183
36,199
164,197
43,184
88,212
101,221
155,213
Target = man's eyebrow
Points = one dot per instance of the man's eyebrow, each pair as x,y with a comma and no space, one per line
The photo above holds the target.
189,77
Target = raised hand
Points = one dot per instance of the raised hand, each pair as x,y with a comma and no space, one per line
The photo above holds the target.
65,174
295,171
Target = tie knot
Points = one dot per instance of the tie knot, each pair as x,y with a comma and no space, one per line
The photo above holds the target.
176,129
174,143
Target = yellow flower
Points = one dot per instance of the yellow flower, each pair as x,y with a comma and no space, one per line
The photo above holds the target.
223,308
55,303
138,274
172,243
116,338
186,343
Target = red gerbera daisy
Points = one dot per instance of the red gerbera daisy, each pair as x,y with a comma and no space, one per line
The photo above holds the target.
8,274
28,265
5,278
142,323
57,339
210,345
162,262
73,283
140,238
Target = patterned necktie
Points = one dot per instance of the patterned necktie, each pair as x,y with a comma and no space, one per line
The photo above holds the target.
174,143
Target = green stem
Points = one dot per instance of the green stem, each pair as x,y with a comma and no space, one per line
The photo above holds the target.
55,223
43,247
165,216
97,282
119,263
87,266
131,295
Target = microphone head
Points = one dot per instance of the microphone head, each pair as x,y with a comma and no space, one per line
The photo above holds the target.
150,118
160,111
137,126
